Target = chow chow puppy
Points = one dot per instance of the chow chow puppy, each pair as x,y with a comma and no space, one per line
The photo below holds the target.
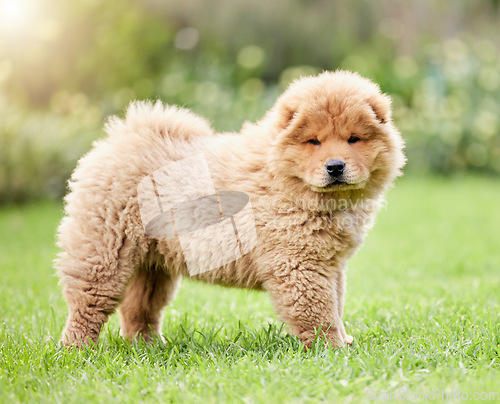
309,178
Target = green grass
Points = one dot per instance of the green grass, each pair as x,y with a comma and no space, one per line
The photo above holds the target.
422,304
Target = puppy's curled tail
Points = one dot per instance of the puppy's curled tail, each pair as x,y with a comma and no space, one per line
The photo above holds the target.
153,120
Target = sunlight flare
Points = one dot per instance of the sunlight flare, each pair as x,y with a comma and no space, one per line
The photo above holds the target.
17,16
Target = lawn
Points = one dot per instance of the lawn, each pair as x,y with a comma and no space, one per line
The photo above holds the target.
422,304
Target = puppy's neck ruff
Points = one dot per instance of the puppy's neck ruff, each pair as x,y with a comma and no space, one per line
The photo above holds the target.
300,195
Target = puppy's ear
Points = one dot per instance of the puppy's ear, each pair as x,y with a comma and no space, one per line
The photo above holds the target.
290,123
381,106
286,115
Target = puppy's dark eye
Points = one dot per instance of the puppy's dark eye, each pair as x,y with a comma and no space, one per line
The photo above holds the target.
353,139
315,142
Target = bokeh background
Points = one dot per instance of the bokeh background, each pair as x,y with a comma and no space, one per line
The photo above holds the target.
66,65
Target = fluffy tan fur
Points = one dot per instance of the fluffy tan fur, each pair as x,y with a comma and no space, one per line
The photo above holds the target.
306,228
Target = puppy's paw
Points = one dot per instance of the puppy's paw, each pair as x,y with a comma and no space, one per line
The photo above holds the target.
348,339
72,339
331,338
145,336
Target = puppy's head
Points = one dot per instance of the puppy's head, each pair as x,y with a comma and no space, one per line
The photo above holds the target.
334,133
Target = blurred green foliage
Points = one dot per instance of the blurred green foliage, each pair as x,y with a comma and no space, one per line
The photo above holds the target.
39,150
65,66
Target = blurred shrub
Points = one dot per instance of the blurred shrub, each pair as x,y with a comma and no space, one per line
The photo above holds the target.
452,118
38,151
80,61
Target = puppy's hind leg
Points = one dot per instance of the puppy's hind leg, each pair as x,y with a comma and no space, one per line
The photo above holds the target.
147,294
94,280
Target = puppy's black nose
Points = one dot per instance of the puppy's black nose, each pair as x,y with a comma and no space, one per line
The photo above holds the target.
335,168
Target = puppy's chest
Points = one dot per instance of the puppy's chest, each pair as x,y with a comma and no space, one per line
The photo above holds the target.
336,233
325,236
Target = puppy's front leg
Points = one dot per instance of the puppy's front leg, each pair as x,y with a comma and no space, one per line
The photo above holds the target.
305,298
339,286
